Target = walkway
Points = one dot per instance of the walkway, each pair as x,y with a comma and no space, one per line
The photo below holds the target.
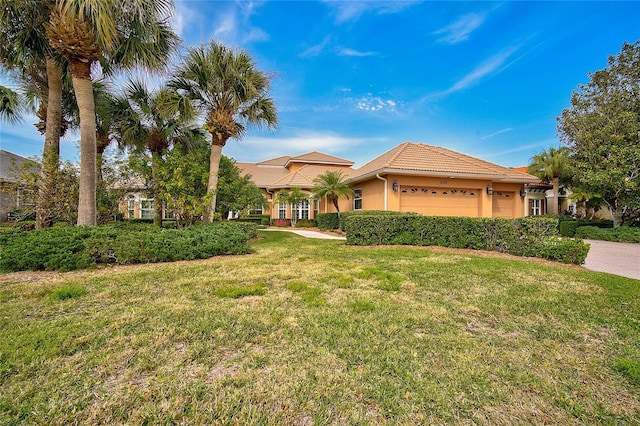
615,258
308,234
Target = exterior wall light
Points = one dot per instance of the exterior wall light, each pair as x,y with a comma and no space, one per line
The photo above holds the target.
394,186
523,192
489,190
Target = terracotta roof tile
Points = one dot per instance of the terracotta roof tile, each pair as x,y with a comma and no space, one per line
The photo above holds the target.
261,175
304,176
319,157
278,161
420,157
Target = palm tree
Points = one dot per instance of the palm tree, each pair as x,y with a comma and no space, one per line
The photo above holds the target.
10,105
332,185
145,125
225,85
24,48
121,34
294,197
552,166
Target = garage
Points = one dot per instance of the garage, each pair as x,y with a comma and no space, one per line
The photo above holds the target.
503,204
440,201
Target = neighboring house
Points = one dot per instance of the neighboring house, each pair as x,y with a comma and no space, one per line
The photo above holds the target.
412,177
12,195
137,202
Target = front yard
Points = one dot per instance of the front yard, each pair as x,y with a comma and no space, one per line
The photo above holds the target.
316,332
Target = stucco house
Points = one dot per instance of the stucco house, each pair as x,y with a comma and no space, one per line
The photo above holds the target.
13,195
412,177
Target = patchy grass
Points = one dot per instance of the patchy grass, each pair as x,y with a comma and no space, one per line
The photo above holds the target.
316,332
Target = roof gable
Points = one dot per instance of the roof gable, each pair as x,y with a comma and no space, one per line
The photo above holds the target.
315,157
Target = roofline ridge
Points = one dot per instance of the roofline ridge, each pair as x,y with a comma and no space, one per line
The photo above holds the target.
400,149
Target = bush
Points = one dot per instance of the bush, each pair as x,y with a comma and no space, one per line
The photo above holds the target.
281,222
621,234
69,248
524,236
328,220
258,219
345,215
567,228
305,223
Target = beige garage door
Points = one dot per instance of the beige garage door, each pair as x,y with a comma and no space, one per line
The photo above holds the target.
503,204
440,201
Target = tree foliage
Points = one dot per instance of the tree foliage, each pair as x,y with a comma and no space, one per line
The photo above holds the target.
235,192
332,185
602,131
552,166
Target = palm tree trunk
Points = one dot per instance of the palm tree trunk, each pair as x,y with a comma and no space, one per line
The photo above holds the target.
51,150
157,205
556,194
212,186
83,88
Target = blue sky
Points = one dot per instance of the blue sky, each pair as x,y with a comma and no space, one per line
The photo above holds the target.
355,79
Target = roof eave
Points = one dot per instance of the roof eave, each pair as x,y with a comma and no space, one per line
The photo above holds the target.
430,173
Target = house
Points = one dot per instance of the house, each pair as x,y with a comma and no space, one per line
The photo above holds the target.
412,177
13,196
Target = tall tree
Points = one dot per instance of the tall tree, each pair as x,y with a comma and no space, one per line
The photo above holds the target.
552,166
231,92
120,34
24,48
146,126
332,185
602,131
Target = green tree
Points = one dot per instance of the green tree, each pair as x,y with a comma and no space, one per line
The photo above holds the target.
235,192
601,128
332,185
225,85
552,166
119,34
144,125
182,183
294,197
24,49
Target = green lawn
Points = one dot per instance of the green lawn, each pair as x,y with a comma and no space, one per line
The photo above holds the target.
315,332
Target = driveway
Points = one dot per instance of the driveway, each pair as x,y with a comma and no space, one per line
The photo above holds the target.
615,258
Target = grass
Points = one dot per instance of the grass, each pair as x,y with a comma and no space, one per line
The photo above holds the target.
316,332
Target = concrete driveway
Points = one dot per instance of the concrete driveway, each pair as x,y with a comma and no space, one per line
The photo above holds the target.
615,258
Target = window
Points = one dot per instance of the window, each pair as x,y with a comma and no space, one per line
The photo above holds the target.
301,211
357,199
131,206
282,210
535,208
256,209
146,208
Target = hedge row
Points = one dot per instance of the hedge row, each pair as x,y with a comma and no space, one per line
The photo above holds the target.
69,248
621,234
567,228
528,236
332,221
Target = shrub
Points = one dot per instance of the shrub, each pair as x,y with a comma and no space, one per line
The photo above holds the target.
258,219
621,234
281,222
567,228
523,237
69,248
328,221
305,223
345,215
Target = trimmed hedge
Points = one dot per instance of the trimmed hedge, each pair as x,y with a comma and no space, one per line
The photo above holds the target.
328,221
258,219
306,223
528,236
567,228
70,248
621,234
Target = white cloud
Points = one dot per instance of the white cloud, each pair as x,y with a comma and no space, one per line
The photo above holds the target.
233,25
499,132
372,103
353,10
351,52
316,49
461,29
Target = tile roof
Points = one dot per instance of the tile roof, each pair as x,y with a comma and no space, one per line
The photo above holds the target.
278,161
421,158
319,157
262,175
304,176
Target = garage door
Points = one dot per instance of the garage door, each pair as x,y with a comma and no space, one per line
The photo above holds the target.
440,201
503,204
